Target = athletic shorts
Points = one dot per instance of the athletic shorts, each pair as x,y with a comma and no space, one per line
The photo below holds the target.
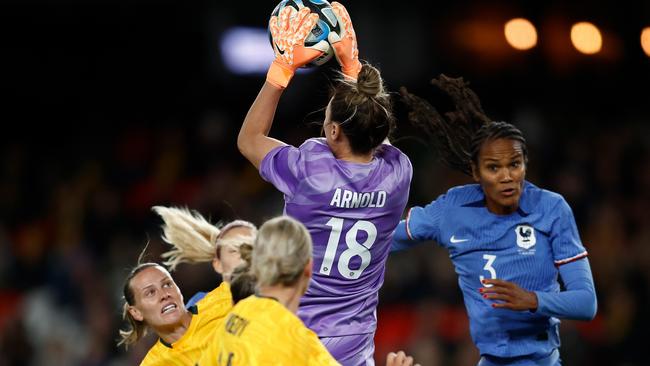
553,359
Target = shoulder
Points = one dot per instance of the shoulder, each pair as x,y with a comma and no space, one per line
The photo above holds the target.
220,294
390,152
461,195
290,152
216,304
391,158
251,307
316,144
264,316
314,150
266,308
542,200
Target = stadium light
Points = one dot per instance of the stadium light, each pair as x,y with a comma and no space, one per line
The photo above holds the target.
520,34
586,38
246,50
645,40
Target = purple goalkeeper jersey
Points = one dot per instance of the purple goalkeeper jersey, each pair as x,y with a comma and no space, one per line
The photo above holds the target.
350,210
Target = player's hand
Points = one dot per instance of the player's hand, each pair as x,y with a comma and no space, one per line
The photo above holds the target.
399,359
289,30
345,44
508,295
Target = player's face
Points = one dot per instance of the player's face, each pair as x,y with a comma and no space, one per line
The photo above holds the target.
158,301
229,257
501,171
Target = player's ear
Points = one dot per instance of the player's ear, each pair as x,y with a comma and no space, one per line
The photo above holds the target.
217,265
336,130
308,268
475,173
135,313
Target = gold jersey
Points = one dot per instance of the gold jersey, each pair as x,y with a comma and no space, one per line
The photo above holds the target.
261,331
208,315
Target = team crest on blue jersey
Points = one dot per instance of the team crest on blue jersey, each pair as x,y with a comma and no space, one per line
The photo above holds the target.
525,236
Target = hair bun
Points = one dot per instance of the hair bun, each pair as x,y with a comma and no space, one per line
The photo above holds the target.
369,81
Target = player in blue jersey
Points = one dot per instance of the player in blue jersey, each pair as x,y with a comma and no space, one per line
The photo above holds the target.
508,239
349,189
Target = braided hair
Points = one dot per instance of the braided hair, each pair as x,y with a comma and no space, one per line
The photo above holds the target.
458,134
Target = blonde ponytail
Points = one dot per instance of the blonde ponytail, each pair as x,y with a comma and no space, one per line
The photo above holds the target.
193,238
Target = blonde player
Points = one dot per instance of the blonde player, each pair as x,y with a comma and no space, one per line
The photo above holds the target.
153,300
263,329
195,240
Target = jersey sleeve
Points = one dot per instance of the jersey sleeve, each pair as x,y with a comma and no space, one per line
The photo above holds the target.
578,301
565,240
423,223
280,167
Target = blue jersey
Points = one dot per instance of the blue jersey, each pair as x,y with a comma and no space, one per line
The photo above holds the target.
525,247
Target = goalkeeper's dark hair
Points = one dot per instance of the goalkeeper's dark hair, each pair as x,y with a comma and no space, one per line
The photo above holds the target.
363,109
458,134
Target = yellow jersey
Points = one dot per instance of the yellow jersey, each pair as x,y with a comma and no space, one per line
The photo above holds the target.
208,315
261,331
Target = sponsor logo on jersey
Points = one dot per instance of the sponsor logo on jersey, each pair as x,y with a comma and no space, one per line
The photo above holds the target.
455,240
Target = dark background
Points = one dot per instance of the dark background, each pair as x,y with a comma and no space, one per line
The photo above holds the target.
111,107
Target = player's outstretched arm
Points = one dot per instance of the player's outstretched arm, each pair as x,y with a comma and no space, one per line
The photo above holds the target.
421,224
253,140
401,238
289,31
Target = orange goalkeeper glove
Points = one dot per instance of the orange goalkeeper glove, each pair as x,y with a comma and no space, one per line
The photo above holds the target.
289,30
345,44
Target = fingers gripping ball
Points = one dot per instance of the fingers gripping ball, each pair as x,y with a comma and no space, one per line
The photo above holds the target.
345,43
317,38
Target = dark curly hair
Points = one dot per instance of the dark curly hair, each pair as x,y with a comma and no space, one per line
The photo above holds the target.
458,134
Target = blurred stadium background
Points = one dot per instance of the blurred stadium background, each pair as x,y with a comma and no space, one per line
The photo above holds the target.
116,106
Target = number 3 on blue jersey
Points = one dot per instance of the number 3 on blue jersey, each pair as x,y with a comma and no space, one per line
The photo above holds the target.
488,267
354,249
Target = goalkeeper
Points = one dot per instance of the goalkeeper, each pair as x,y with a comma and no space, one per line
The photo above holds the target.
349,188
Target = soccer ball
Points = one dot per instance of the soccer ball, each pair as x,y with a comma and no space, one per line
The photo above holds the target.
327,23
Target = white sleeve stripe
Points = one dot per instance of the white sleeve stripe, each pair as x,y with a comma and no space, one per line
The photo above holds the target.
408,217
574,258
